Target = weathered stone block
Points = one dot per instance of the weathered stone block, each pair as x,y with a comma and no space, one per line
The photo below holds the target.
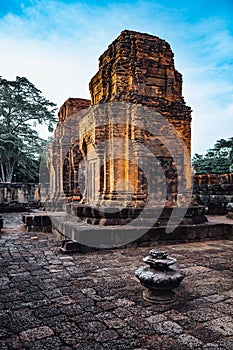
191,233
216,230
28,220
46,221
39,222
202,231
69,246
1,222
228,231
230,215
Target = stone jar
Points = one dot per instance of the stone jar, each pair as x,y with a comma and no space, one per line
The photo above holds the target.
160,277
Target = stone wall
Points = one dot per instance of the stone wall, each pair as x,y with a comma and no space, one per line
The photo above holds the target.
213,179
59,171
71,107
15,196
214,191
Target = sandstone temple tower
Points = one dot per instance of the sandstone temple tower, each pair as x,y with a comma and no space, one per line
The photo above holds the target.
139,68
136,69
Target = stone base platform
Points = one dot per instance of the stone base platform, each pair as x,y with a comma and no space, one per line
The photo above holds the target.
106,216
104,236
37,222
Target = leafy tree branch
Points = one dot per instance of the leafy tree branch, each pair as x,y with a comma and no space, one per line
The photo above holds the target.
217,160
22,108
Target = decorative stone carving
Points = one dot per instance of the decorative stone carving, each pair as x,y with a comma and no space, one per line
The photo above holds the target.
139,68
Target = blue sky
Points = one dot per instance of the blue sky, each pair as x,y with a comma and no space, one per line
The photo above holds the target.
56,45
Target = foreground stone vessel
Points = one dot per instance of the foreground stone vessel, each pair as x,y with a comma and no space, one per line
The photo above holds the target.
160,278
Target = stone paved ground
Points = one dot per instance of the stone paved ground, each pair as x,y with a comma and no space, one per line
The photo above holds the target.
54,301
12,220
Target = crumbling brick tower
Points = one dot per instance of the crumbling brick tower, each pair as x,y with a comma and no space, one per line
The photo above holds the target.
139,68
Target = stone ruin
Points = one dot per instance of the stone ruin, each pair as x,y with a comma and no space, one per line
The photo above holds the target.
136,70
18,196
214,191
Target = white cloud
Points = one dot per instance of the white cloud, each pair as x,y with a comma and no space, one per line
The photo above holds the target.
56,46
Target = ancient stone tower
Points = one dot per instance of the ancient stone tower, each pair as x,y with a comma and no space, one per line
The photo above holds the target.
139,68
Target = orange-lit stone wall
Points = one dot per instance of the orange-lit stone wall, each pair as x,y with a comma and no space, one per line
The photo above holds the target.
139,68
136,68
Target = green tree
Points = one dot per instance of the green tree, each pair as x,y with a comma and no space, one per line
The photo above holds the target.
218,160
22,108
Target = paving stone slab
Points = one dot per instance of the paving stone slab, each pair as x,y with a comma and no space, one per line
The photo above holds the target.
33,334
93,301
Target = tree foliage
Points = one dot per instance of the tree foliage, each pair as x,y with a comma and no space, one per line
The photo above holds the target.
22,108
218,160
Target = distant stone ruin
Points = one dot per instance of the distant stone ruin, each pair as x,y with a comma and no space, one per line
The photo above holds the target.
18,196
214,191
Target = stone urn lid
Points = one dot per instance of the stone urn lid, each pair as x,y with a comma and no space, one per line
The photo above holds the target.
159,260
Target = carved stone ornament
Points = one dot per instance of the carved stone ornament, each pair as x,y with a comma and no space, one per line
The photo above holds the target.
160,277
